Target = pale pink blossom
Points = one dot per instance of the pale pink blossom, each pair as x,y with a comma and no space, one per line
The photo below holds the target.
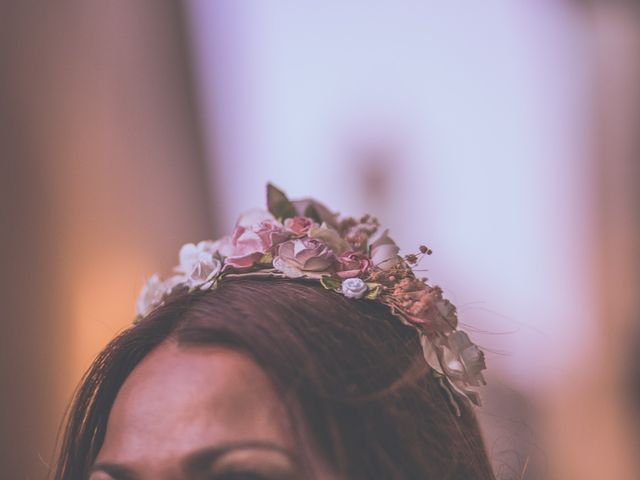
250,242
299,226
304,257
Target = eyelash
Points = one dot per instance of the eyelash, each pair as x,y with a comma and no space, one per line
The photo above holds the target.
239,476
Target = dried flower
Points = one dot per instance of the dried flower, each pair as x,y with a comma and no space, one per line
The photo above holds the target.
412,258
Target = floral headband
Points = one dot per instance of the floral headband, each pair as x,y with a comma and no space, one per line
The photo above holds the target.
353,257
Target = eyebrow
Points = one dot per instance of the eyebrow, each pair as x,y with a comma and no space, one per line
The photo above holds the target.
199,460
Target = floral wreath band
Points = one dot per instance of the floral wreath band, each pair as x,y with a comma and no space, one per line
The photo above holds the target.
303,239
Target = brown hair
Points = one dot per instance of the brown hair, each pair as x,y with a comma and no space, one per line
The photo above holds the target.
353,370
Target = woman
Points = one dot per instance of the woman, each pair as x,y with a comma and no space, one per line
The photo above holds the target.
293,349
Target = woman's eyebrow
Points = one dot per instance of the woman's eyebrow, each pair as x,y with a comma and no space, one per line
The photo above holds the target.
203,458
118,472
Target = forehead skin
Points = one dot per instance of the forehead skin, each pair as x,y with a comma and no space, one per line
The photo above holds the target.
180,400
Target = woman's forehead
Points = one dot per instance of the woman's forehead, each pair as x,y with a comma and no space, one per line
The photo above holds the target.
181,399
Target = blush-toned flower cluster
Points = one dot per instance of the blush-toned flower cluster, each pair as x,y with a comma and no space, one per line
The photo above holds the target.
353,257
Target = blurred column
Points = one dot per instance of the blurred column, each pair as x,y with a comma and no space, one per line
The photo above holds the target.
617,36
102,181
591,429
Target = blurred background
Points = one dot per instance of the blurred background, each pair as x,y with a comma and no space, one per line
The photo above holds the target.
503,134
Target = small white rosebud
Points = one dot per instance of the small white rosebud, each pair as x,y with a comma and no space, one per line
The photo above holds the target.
354,288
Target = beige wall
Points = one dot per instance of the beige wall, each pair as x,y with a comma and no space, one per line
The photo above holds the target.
589,420
102,181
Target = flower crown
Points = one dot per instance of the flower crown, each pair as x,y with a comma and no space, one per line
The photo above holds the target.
353,257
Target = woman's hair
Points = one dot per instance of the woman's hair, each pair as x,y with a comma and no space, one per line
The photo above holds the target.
351,371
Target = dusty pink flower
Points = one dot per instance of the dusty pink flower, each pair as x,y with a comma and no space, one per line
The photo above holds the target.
250,242
271,233
298,226
304,257
352,264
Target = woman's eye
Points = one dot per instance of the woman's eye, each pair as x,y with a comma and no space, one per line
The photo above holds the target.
256,475
261,474
253,464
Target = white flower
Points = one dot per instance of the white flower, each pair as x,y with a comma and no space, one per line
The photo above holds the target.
464,360
354,288
150,296
204,272
191,254
384,252
198,265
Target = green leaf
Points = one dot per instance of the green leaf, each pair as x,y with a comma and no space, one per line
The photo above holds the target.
267,259
374,291
312,212
330,283
278,203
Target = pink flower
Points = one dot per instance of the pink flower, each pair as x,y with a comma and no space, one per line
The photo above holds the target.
352,264
271,233
250,242
299,226
304,257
